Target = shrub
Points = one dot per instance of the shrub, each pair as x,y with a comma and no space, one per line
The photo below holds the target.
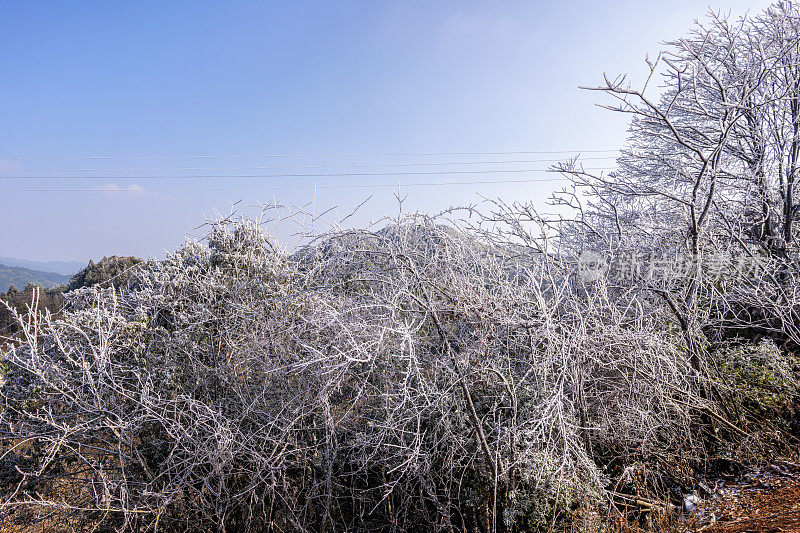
762,378
410,378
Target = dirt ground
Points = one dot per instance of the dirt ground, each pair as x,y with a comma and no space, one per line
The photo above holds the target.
763,501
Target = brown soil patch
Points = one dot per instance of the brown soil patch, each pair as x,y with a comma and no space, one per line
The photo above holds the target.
765,502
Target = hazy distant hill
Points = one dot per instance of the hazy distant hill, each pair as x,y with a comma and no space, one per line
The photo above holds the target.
19,277
66,268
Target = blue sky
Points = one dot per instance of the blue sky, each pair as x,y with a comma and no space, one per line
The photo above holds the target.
208,78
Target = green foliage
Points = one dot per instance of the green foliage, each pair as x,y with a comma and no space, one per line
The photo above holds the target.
15,300
114,269
761,377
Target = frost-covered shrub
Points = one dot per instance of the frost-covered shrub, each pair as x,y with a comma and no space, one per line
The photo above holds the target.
760,377
412,378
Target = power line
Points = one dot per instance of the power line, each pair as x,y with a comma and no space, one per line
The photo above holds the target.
420,164
283,187
296,175
253,156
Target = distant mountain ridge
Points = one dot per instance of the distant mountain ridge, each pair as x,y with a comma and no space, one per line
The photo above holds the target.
19,277
65,268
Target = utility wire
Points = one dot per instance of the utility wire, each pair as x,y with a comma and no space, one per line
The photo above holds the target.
295,175
252,156
282,187
418,164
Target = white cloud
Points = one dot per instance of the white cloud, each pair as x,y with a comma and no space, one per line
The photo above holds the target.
112,189
9,164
